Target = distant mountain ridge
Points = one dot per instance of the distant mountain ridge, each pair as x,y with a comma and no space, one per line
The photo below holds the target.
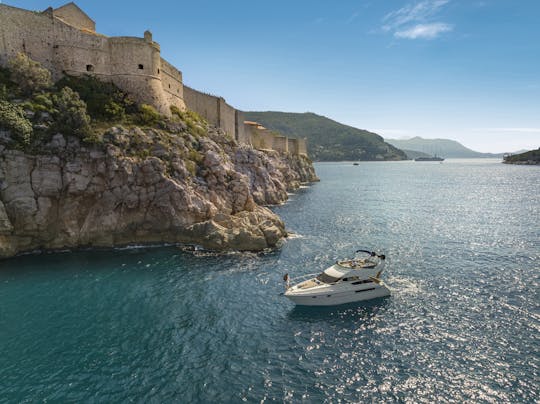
328,140
446,148
412,154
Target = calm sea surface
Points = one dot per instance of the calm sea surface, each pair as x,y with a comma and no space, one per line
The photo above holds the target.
162,325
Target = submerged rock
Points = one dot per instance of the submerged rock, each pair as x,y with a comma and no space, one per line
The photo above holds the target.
145,186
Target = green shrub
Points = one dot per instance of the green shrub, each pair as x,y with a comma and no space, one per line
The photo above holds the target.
175,111
70,114
5,79
43,102
13,119
114,111
195,123
148,115
3,92
104,100
191,167
195,156
93,138
29,75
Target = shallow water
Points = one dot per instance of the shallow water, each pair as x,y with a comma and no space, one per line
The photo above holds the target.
463,245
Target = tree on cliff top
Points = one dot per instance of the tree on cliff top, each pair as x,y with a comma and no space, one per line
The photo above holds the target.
29,75
70,113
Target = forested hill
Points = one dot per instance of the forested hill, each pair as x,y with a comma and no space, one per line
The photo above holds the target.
442,147
328,140
529,158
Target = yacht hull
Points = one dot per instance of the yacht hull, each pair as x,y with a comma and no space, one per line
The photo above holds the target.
332,298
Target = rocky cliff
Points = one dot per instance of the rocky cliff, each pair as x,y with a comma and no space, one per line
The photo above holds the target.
143,186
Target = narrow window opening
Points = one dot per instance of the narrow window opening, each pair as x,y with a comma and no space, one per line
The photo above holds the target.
157,71
89,68
169,86
141,67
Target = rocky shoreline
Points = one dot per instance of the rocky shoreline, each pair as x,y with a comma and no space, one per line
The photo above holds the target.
144,186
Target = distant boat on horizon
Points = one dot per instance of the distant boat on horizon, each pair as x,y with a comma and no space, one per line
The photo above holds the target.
434,158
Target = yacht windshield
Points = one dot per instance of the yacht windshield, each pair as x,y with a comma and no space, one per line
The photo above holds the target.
327,278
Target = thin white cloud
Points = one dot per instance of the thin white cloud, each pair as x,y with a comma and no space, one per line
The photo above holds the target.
419,11
415,20
353,17
425,31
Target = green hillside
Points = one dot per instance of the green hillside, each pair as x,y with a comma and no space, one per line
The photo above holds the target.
413,154
328,140
529,158
442,147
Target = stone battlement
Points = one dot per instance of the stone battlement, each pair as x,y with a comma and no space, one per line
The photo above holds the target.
65,41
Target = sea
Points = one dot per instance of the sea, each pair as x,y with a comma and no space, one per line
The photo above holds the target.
171,324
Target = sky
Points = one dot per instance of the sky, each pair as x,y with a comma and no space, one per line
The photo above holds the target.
467,70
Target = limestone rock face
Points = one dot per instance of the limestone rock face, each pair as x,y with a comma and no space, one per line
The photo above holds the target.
144,186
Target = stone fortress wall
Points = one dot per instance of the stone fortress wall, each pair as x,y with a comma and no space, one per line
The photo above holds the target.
64,41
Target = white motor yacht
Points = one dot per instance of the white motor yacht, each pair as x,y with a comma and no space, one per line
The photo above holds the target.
347,281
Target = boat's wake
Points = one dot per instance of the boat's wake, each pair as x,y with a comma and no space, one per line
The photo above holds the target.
403,286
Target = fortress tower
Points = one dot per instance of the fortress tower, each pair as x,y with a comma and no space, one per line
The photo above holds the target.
64,40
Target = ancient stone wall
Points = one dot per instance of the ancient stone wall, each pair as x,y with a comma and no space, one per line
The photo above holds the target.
266,139
240,128
293,146
227,118
134,66
280,144
205,105
302,146
171,79
28,32
261,138
73,15
214,109
258,136
77,52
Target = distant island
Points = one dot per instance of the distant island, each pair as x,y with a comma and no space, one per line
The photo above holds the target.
329,140
442,147
531,157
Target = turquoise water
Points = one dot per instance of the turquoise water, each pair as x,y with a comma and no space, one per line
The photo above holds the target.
162,325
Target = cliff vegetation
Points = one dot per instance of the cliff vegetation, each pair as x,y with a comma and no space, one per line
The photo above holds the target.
82,165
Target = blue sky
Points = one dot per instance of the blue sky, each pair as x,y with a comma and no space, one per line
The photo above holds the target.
468,70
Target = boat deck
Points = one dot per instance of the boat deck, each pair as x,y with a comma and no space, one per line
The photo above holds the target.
308,284
356,264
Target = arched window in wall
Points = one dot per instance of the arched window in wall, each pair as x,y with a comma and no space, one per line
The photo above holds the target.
141,67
